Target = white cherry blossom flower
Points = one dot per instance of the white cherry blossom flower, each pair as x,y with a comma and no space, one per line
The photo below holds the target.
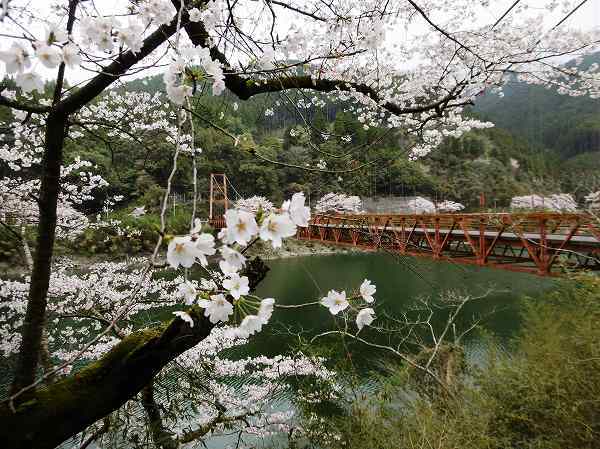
205,246
276,227
15,58
365,317
232,257
70,56
225,236
367,290
250,325
48,55
241,226
182,251
335,301
197,226
227,268
299,213
132,36
185,317
188,291
217,308
236,285
178,94
265,309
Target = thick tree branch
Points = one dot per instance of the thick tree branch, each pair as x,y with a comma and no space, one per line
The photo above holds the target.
54,413
245,88
37,109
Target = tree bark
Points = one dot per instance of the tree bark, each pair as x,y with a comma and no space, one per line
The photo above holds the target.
35,315
56,412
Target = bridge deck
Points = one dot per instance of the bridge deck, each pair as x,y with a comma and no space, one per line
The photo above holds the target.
520,242
476,233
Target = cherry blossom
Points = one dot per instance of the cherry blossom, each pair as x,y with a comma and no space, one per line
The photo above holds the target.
70,56
250,325
365,317
560,202
217,308
182,251
367,290
205,246
236,285
335,301
266,309
188,291
241,226
298,212
339,203
131,36
449,206
420,205
593,200
233,258
48,55
16,58
276,227
254,204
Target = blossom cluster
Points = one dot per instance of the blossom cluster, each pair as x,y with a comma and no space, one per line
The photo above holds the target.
242,227
254,204
449,206
560,202
338,302
593,200
339,203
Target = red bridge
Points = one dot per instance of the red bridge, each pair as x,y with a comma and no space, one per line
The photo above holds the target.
537,242
540,243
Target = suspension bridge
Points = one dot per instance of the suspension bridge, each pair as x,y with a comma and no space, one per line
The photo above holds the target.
540,243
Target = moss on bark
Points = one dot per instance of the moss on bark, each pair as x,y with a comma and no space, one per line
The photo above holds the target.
56,412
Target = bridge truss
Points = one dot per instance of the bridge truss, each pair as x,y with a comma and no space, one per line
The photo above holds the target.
534,242
222,196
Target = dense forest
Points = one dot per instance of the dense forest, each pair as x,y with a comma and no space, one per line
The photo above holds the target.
541,140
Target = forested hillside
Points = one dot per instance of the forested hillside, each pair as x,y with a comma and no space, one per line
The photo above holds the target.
499,162
567,125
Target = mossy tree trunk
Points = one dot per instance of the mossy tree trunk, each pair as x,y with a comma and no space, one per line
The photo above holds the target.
58,411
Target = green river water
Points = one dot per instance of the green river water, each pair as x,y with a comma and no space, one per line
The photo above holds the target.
400,282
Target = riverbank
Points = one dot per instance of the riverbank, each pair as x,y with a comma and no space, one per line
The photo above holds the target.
298,248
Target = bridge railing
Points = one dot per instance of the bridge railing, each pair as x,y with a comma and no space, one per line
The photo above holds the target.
551,223
506,239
